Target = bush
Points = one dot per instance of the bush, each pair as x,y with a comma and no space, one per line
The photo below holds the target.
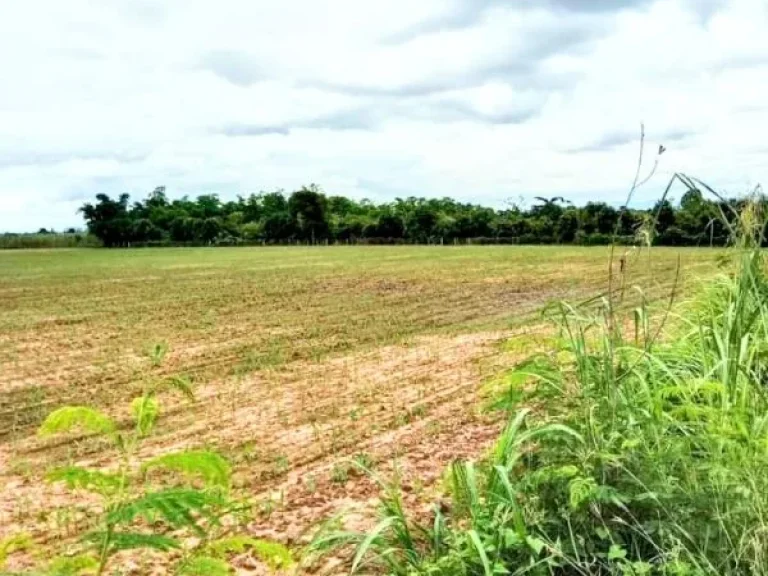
185,520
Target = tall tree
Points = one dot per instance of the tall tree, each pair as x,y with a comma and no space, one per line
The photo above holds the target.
108,219
308,209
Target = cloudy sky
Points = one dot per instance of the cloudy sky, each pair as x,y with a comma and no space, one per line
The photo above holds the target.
483,100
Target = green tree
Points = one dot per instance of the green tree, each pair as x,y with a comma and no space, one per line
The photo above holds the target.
307,207
567,226
108,219
309,216
209,229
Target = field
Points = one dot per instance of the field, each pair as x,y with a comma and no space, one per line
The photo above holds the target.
299,358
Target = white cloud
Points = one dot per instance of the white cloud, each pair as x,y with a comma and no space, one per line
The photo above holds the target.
483,100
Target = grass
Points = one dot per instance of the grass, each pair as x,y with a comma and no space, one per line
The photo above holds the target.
296,355
98,314
635,446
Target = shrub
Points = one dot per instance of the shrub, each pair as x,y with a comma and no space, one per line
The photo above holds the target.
138,513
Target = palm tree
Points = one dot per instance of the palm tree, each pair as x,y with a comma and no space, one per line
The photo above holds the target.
552,201
549,206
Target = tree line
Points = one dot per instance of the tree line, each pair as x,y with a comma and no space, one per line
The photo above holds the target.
309,216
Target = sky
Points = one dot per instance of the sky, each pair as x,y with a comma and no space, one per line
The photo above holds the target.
486,101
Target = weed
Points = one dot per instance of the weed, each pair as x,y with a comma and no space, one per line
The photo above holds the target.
282,465
249,453
418,411
340,473
363,461
645,455
402,419
156,353
10,545
134,513
265,507
434,428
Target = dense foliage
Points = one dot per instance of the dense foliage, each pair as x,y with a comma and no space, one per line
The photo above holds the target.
309,216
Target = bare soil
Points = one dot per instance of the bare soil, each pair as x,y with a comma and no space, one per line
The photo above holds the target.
410,408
